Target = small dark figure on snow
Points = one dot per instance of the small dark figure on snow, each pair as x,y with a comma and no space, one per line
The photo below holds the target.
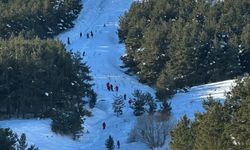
118,144
68,41
125,96
104,25
103,125
87,35
108,86
83,54
111,87
116,88
130,101
91,34
80,34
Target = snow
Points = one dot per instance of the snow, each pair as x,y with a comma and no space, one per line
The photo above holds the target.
102,53
46,93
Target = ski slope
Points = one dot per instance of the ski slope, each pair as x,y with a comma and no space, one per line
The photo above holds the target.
102,53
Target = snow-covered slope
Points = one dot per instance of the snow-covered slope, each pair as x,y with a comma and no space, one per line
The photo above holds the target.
102,55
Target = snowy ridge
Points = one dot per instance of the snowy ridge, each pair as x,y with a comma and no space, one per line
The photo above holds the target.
102,53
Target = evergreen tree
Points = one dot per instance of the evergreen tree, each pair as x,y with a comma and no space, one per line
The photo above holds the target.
183,136
32,147
67,122
210,129
245,48
139,103
222,126
110,143
238,107
177,44
118,105
8,139
150,102
22,145
42,18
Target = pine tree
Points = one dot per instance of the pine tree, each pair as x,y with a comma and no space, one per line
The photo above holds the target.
238,105
210,129
245,48
118,105
183,136
8,139
32,147
67,122
22,142
221,126
150,102
110,143
139,103
177,44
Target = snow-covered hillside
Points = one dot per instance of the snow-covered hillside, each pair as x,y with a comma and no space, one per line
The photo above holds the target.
102,53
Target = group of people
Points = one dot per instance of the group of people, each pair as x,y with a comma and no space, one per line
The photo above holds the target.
104,127
110,87
89,34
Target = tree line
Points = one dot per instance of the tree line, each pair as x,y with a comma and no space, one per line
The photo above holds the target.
9,140
42,18
222,126
38,76
177,44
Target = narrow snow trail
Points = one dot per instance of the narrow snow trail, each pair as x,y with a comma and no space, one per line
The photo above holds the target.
102,53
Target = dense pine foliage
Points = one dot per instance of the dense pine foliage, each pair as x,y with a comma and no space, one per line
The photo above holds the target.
10,141
39,78
174,44
43,18
221,126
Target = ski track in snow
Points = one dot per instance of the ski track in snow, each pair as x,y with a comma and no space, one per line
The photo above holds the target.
102,53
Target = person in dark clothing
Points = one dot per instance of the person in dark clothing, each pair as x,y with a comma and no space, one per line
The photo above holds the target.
111,87
87,35
118,144
108,86
125,96
91,34
68,41
116,88
130,101
103,125
80,34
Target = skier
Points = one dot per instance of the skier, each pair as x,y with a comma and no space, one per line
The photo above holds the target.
104,25
116,88
118,144
87,35
108,86
80,34
111,87
103,125
125,96
91,34
68,41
